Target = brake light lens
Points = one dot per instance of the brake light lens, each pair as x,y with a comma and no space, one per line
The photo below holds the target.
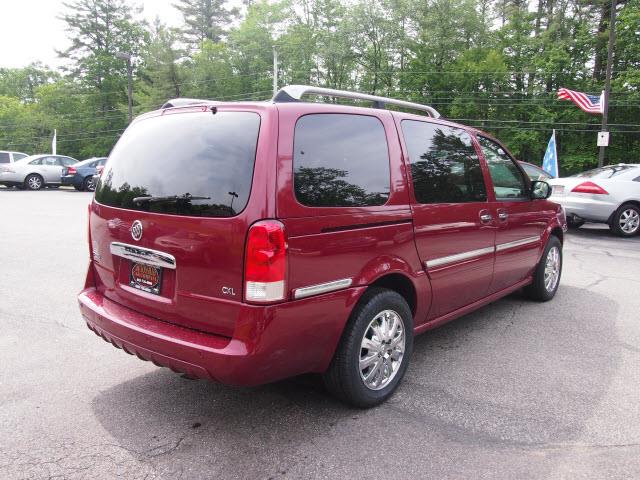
71,171
265,262
589,187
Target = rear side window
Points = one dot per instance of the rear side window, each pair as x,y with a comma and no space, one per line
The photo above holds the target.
4,157
18,156
444,164
192,163
341,160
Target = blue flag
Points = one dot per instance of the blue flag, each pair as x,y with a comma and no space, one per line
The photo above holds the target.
550,161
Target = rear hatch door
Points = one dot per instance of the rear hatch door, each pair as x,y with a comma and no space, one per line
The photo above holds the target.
169,219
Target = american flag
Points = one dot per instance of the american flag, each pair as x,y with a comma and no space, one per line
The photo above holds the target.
586,102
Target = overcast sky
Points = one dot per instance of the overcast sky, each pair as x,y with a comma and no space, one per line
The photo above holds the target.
30,30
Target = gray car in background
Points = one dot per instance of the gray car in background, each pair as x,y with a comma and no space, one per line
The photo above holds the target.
34,172
608,195
10,157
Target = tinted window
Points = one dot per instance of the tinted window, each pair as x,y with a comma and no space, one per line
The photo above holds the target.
66,161
50,161
444,164
340,161
18,156
200,154
5,157
507,178
605,172
535,173
37,161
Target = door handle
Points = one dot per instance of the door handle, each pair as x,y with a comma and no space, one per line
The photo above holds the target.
503,216
485,217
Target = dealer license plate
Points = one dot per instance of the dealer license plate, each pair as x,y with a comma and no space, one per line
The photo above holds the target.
147,278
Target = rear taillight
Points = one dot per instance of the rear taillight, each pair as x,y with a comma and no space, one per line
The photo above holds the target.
589,187
71,171
265,262
99,170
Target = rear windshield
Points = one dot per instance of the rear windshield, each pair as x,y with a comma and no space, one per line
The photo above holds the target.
196,164
605,172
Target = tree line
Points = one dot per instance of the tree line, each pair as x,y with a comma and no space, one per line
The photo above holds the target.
493,64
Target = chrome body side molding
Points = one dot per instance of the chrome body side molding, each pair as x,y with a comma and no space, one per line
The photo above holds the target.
304,292
458,257
143,255
517,243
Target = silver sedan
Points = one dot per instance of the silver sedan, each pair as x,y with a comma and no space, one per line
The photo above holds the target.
35,171
608,195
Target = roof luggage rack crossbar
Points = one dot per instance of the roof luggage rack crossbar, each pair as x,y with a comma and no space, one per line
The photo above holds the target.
294,93
183,102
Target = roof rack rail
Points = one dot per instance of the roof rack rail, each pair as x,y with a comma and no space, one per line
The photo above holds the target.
294,93
183,102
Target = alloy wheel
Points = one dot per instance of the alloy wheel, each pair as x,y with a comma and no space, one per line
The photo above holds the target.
552,269
34,182
629,221
382,350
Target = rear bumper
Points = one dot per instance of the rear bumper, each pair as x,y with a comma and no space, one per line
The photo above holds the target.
586,207
71,180
10,179
269,344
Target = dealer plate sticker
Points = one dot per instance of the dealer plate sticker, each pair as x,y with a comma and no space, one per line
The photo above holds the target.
146,277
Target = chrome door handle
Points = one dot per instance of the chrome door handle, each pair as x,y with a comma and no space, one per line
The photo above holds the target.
503,216
486,218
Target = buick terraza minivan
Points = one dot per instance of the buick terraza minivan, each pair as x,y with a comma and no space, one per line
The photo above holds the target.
250,242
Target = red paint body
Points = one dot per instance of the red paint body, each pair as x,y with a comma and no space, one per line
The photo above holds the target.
193,327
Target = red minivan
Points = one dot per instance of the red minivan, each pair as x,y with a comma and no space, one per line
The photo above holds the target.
250,242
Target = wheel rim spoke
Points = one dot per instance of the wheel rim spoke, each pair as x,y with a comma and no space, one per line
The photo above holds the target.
552,269
382,350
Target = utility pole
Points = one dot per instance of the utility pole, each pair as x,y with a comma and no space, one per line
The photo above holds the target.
127,57
275,70
607,81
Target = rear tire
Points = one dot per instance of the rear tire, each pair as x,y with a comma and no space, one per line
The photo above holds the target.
85,184
626,220
546,277
374,351
572,223
34,182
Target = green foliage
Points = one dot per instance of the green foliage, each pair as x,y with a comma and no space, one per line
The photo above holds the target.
495,65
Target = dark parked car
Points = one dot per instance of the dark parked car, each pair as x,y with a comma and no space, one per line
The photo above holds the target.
80,175
250,242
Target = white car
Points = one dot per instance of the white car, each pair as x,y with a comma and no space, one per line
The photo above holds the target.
10,157
608,195
34,172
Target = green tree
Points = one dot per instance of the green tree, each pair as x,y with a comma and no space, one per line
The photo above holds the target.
205,19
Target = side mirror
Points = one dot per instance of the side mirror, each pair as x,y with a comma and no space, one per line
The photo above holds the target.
540,190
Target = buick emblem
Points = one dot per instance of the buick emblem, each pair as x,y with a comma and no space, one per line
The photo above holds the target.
136,230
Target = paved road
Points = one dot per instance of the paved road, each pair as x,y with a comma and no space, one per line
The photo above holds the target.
515,390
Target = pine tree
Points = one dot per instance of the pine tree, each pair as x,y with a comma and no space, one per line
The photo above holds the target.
204,19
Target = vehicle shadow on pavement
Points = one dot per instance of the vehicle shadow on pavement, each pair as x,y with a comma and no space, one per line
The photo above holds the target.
513,375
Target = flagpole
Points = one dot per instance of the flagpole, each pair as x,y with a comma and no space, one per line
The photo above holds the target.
607,82
555,148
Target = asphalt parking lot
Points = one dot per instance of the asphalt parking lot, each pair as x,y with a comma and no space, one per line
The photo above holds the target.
516,390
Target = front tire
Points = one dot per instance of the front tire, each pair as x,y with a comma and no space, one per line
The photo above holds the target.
546,277
34,182
626,220
374,351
